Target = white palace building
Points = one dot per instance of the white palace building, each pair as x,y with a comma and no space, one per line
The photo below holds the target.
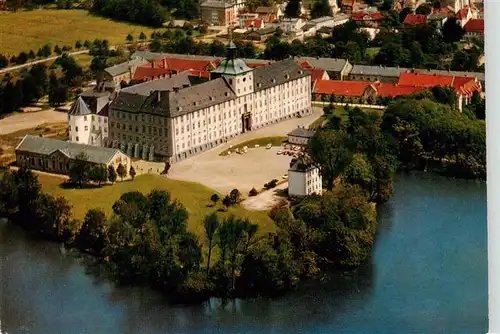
172,119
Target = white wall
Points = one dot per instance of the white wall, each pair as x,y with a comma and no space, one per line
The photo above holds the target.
296,183
81,127
224,120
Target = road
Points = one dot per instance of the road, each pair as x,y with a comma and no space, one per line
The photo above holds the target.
40,61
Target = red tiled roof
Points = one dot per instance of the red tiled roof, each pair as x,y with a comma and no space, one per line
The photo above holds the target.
444,10
462,85
393,90
306,65
179,65
316,73
198,73
366,16
466,85
253,23
475,25
462,13
148,73
424,80
414,19
255,65
339,87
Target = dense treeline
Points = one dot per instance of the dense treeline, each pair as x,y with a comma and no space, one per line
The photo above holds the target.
146,241
421,46
176,42
435,136
39,81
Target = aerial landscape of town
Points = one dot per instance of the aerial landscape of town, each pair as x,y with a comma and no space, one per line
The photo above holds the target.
230,166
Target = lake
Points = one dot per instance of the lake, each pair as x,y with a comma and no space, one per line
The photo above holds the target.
428,274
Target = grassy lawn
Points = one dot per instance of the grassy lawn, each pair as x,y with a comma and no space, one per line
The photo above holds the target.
23,31
195,197
372,52
275,141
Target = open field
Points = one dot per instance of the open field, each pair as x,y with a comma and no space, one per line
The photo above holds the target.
24,31
195,197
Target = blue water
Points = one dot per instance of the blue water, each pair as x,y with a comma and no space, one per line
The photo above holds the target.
428,274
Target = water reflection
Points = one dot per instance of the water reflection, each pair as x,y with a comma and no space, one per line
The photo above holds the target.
427,273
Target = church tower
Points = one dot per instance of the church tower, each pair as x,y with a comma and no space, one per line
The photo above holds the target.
236,72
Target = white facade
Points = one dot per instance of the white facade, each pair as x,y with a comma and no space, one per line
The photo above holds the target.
298,140
304,183
222,121
292,25
88,129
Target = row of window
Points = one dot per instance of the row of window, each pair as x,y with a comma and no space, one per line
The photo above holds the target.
86,128
100,119
143,117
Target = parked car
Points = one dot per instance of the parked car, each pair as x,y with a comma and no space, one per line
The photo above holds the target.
268,146
279,152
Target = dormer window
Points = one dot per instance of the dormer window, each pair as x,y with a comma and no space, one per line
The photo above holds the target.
179,109
287,76
274,80
211,98
230,81
195,103
226,93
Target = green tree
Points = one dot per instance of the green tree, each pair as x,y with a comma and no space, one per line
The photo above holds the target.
4,62
112,175
235,196
331,151
121,171
211,224
22,58
53,215
292,9
132,172
226,201
78,45
92,234
98,174
57,50
129,38
215,198
321,8
31,54
452,31
424,9
79,172
142,36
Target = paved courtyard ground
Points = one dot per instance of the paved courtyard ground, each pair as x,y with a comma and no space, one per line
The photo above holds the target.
244,172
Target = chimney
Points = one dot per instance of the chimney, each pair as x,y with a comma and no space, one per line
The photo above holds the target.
153,64
164,62
158,96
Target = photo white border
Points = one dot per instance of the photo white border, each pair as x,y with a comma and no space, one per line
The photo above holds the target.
492,65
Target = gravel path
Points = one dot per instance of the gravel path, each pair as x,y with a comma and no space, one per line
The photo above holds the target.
21,121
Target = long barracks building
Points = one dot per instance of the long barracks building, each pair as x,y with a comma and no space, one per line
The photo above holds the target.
171,119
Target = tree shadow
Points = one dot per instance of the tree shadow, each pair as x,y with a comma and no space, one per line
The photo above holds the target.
281,193
70,185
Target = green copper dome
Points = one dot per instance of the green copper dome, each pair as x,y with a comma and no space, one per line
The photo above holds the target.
232,65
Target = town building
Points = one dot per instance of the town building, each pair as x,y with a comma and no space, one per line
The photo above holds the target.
438,18
304,178
415,19
300,136
173,124
375,73
218,13
338,69
464,15
474,28
292,25
114,75
269,14
369,18
88,119
57,156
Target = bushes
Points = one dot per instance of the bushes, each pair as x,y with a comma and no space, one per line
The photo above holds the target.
271,184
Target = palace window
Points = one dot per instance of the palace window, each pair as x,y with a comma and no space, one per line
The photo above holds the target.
86,128
76,129
77,138
85,118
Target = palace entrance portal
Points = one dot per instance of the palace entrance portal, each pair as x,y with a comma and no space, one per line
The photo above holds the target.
246,122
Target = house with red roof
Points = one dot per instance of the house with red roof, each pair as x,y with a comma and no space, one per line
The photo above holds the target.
344,91
415,19
369,18
474,28
253,23
464,86
168,66
347,6
464,15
